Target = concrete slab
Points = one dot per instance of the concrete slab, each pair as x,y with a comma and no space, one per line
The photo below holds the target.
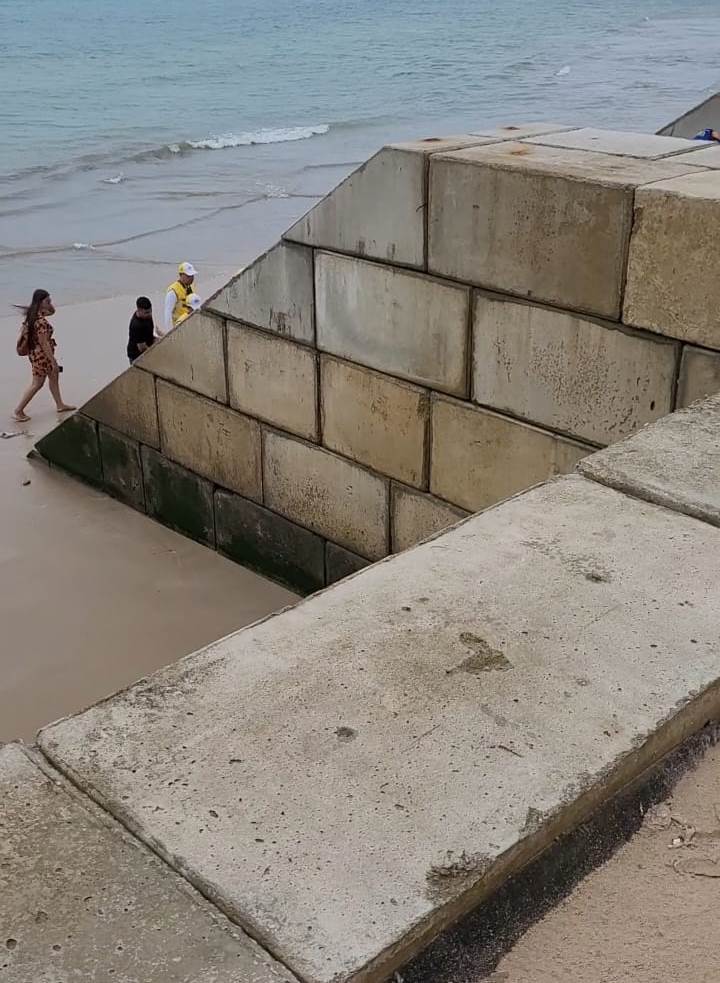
73,446
429,725
341,563
401,323
81,900
620,142
699,375
211,440
177,497
128,406
479,457
378,211
539,222
705,157
672,282
586,378
273,379
416,516
436,145
121,467
327,494
675,462
275,292
517,131
375,419
193,355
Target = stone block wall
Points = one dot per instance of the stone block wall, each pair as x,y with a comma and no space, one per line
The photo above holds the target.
460,319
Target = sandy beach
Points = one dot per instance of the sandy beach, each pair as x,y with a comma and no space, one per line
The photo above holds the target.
94,594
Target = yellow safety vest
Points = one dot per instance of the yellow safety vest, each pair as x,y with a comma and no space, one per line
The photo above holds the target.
181,308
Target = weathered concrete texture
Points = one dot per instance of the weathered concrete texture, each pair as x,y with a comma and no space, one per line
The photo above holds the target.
341,563
273,379
569,372
331,496
73,446
128,405
192,355
699,375
401,323
429,725
437,145
275,292
707,157
81,900
517,131
672,281
479,457
378,211
417,516
675,462
375,420
211,440
121,468
540,222
620,142
177,497
266,542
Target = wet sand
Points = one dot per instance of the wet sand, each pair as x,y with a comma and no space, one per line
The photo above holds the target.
94,595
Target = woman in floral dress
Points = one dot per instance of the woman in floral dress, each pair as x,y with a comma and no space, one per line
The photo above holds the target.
38,343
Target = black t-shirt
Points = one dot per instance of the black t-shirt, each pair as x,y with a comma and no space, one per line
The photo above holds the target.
142,329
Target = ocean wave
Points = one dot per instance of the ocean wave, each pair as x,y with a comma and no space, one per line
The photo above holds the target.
286,134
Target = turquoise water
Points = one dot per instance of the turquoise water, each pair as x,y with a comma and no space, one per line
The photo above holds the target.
138,132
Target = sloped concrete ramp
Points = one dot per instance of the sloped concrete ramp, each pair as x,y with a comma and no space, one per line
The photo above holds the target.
345,779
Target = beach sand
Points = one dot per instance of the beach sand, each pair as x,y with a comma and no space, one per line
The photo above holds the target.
94,595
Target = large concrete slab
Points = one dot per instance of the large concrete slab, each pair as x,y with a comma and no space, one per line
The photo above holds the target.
211,440
699,375
672,282
193,355
587,378
675,462
127,404
647,146
517,131
428,726
479,457
327,494
540,222
273,379
401,323
275,293
81,900
375,419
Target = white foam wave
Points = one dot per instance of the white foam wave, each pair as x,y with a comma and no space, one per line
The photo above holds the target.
118,179
282,135
82,245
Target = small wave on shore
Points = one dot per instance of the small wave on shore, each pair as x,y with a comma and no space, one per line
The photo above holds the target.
225,141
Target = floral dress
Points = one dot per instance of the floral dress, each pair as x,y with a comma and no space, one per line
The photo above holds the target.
41,364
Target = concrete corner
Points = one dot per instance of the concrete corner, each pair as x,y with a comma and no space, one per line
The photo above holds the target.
341,563
193,355
699,375
416,516
73,446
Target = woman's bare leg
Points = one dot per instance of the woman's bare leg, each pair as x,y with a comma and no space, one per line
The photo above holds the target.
54,381
38,381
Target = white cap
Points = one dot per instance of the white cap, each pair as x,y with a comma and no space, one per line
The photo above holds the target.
188,269
194,302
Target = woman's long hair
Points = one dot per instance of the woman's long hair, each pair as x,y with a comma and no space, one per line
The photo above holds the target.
31,313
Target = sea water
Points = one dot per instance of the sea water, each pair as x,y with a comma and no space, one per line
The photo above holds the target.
137,133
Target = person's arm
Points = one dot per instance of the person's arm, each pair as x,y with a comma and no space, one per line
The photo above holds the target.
170,301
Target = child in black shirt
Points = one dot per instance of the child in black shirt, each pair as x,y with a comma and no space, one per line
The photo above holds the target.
142,329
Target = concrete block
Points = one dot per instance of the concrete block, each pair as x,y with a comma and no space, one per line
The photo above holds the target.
646,146
589,379
128,405
675,462
705,157
327,494
193,355
273,379
517,131
268,543
73,446
375,420
539,222
211,440
429,727
479,457
699,375
341,563
672,282
275,293
122,471
416,516
378,211
400,323
177,497
82,900
436,145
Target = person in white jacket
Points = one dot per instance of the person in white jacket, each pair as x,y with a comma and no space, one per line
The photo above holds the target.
178,303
